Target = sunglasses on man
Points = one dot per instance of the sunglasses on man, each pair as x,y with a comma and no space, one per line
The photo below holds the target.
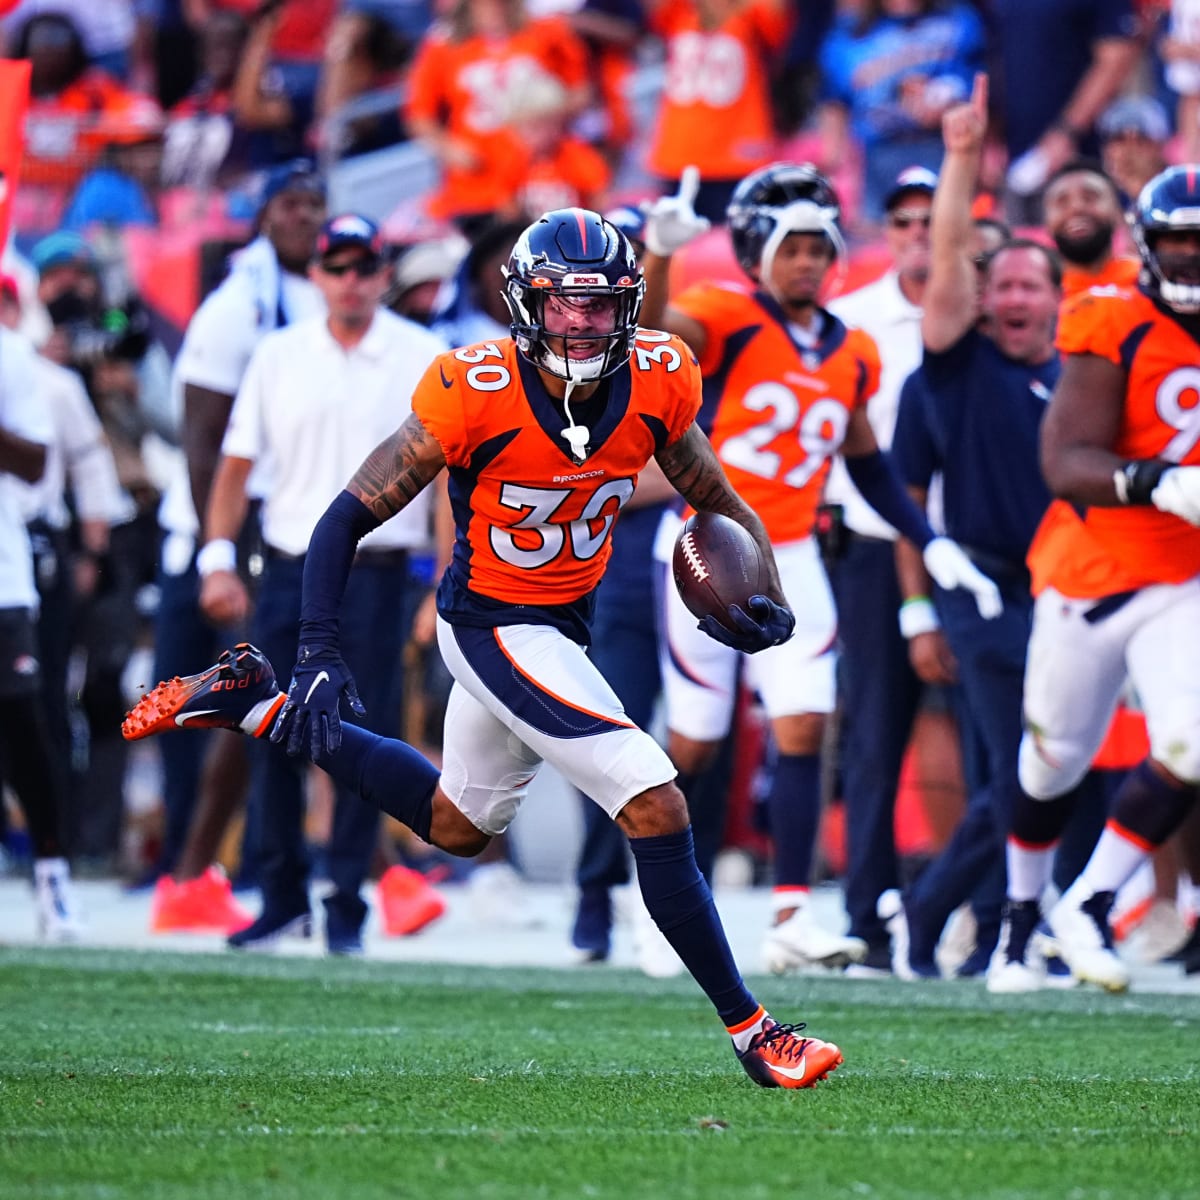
364,268
904,220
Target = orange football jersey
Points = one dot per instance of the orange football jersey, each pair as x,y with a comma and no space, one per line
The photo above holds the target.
1103,551
716,109
467,87
775,412
1117,272
575,175
533,524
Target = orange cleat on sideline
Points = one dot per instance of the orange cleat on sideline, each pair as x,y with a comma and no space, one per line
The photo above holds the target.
407,901
202,905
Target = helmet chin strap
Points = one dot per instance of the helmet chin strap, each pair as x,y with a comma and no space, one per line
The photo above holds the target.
577,436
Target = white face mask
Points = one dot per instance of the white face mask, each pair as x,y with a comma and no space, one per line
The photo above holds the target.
580,370
801,216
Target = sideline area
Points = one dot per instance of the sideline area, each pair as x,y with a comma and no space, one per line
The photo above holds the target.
121,920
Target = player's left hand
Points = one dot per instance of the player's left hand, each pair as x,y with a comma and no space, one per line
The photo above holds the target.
951,568
773,626
672,221
310,713
1178,492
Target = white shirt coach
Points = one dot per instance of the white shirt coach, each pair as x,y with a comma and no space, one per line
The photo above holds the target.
216,350
310,412
882,310
22,414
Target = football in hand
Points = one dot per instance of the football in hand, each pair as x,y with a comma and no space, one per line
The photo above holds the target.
716,564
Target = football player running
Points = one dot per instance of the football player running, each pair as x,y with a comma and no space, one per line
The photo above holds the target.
1116,570
543,435
786,389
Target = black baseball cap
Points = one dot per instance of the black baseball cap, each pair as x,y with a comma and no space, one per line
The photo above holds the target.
911,179
300,174
349,229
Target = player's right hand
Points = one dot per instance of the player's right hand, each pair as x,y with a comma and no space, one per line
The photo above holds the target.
1178,492
309,719
672,221
766,624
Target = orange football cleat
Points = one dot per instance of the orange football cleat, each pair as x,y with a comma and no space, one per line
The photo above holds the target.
237,692
201,905
776,1057
407,901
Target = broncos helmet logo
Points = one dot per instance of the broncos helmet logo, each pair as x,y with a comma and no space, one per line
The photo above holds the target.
573,254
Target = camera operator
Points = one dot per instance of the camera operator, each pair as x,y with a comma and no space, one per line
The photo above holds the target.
110,346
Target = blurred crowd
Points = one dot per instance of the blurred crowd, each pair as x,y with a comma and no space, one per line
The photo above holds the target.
228,116
527,106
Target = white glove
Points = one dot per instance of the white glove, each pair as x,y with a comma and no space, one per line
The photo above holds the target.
951,568
1178,492
671,221
1027,175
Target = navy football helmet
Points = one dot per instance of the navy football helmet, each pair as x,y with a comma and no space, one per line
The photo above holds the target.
777,200
573,252
1169,203
631,221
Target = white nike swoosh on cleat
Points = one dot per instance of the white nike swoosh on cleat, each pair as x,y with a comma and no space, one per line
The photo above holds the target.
315,683
791,1072
184,718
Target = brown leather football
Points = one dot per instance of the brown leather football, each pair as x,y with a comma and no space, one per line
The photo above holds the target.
716,564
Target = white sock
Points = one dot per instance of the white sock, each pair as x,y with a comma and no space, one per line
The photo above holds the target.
1113,861
253,720
1029,869
783,899
747,1033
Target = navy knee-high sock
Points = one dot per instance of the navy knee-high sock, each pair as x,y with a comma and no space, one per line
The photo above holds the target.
681,905
794,806
387,773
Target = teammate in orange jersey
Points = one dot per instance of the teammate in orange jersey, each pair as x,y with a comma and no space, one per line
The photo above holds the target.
543,435
1116,570
715,111
786,389
461,84
1082,213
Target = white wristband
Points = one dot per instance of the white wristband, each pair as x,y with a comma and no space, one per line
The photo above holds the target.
218,555
918,616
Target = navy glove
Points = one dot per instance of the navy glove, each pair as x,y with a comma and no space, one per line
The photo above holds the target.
773,627
310,713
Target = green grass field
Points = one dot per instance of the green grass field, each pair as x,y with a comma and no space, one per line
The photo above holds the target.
167,1075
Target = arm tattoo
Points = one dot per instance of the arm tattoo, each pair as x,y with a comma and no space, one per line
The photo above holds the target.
397,469
692,467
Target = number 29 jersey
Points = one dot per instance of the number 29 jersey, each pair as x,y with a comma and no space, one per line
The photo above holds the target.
776,411
533,525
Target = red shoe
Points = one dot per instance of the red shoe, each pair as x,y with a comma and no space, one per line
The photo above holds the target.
407,902
776,1057
201,905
